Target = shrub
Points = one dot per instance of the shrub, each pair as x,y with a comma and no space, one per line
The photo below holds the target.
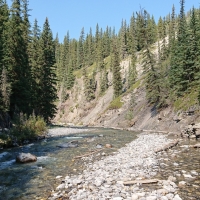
26,128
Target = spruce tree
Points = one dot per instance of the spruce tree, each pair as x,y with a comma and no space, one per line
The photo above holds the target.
47,82
80,50
34,54
123,40
152,78
180,72
18,63
117,81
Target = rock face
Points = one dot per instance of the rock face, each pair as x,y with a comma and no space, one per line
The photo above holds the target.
25,158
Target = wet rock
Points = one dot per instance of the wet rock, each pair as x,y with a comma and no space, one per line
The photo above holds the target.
72,144
25,158
108,146
99,146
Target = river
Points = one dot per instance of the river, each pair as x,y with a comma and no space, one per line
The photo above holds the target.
37,180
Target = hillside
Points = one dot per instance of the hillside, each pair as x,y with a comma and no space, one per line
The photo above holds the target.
101,111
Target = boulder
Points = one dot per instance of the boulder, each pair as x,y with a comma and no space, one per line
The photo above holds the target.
196,145
197,133
192,136
196,126
25,158
71,144
108,146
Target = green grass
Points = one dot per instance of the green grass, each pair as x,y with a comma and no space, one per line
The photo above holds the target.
115,104
78,73
187,101
134,86
107,62
89,70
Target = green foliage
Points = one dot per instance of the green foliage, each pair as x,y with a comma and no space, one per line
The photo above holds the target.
115,104
46,91
24,128
129,115
187,101
117,81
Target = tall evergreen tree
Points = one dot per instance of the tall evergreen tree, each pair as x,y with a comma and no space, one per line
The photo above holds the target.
47,82
18,61
80,50
117,81
180,73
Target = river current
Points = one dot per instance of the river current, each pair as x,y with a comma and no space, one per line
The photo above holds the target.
37,180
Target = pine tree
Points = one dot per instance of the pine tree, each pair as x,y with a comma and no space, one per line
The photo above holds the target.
34,54
132,73
117,81
123,40
172,29
152,78
4,16
132,45
104,81
18,63
80,50
180,73
106,43
47,82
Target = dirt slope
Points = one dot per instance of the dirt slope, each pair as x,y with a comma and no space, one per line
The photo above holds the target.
76,111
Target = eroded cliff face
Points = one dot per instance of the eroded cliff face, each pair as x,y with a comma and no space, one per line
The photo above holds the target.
135,113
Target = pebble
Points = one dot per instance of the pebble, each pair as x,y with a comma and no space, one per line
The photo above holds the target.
177,197
104,178
134,197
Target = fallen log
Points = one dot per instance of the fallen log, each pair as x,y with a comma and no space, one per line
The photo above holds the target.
88,154
140,181
167,146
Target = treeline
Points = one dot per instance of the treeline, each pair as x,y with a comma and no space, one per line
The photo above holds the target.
170,71
27,65
34,66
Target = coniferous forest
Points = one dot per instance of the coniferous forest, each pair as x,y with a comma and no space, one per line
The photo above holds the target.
35,66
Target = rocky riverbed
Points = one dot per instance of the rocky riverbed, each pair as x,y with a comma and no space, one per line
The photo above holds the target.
108,178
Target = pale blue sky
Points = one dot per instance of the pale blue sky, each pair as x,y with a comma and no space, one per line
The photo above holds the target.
72,15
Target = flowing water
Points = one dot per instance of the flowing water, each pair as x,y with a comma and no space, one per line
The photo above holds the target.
37,180
182,162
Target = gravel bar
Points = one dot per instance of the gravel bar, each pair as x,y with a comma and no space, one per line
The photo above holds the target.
104,179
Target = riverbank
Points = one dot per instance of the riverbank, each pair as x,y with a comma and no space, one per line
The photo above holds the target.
64,131
106,178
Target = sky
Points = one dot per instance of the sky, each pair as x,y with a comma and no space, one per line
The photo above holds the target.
73,15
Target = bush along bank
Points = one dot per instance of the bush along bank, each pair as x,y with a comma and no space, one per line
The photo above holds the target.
23,130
